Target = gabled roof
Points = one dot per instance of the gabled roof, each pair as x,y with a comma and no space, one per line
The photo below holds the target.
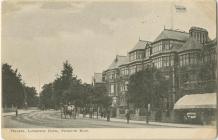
119,60
97,78
190,44
141,44
172,34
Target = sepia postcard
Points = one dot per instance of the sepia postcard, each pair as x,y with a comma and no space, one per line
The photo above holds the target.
112,69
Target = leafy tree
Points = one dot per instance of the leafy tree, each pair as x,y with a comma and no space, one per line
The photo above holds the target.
67,88
99,98
14,90
46,97
147,87
31,95
12,87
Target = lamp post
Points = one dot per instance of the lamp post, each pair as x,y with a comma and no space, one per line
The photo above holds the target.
148,113
25,96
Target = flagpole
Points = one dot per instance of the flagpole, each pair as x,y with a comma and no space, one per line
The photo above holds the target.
172,18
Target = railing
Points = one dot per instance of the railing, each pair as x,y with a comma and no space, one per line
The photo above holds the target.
9,109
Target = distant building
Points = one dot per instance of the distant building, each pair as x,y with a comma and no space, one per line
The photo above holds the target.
180,56
97,80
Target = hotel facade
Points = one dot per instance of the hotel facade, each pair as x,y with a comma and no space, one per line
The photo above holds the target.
180,56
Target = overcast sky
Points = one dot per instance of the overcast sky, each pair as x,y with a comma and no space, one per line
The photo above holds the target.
37,37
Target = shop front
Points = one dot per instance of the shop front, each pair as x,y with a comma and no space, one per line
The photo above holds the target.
197,109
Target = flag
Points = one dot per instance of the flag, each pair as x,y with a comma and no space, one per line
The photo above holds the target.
180,8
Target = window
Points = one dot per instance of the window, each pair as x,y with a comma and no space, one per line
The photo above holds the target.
139,68
166,61
158,62
132,56
112,89
121,87
171,60
147,52
166,45
184,60
157,47
124,71
193,58
188,59
213,55
126,86
140,54
132,69
112,75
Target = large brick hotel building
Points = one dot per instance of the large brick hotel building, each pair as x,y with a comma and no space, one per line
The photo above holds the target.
178,55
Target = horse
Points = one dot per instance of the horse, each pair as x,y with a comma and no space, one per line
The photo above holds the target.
68,110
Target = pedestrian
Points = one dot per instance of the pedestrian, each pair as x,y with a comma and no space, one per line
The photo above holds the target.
147,118
102,114
16,111
108,115
128,116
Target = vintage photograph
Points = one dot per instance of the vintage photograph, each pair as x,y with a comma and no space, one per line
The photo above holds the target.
109,64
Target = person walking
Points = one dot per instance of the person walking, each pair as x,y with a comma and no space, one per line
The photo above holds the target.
16,111
128,116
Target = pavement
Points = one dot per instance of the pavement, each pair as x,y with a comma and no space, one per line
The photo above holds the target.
35,117
158,123
20,111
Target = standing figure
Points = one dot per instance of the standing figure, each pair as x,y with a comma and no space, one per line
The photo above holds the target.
128,116
16,111
108,115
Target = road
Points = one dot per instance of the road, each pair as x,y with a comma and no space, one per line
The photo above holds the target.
52,119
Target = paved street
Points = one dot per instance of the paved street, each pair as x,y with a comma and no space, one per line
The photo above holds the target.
51,118
46,119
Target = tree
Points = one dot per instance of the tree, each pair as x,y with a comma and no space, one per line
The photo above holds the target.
46,100
12,87
147,87
14,90
66,88
207,76
100,98
32,98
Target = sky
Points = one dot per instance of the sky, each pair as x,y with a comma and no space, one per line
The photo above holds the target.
38,36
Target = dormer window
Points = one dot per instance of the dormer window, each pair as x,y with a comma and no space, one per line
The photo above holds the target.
157,47
147,52
132,56
139,54
136,55
166,45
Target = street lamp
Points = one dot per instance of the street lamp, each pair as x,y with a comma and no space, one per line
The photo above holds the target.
148,113
25,96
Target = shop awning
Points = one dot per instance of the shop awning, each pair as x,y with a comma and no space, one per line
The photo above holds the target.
206,100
